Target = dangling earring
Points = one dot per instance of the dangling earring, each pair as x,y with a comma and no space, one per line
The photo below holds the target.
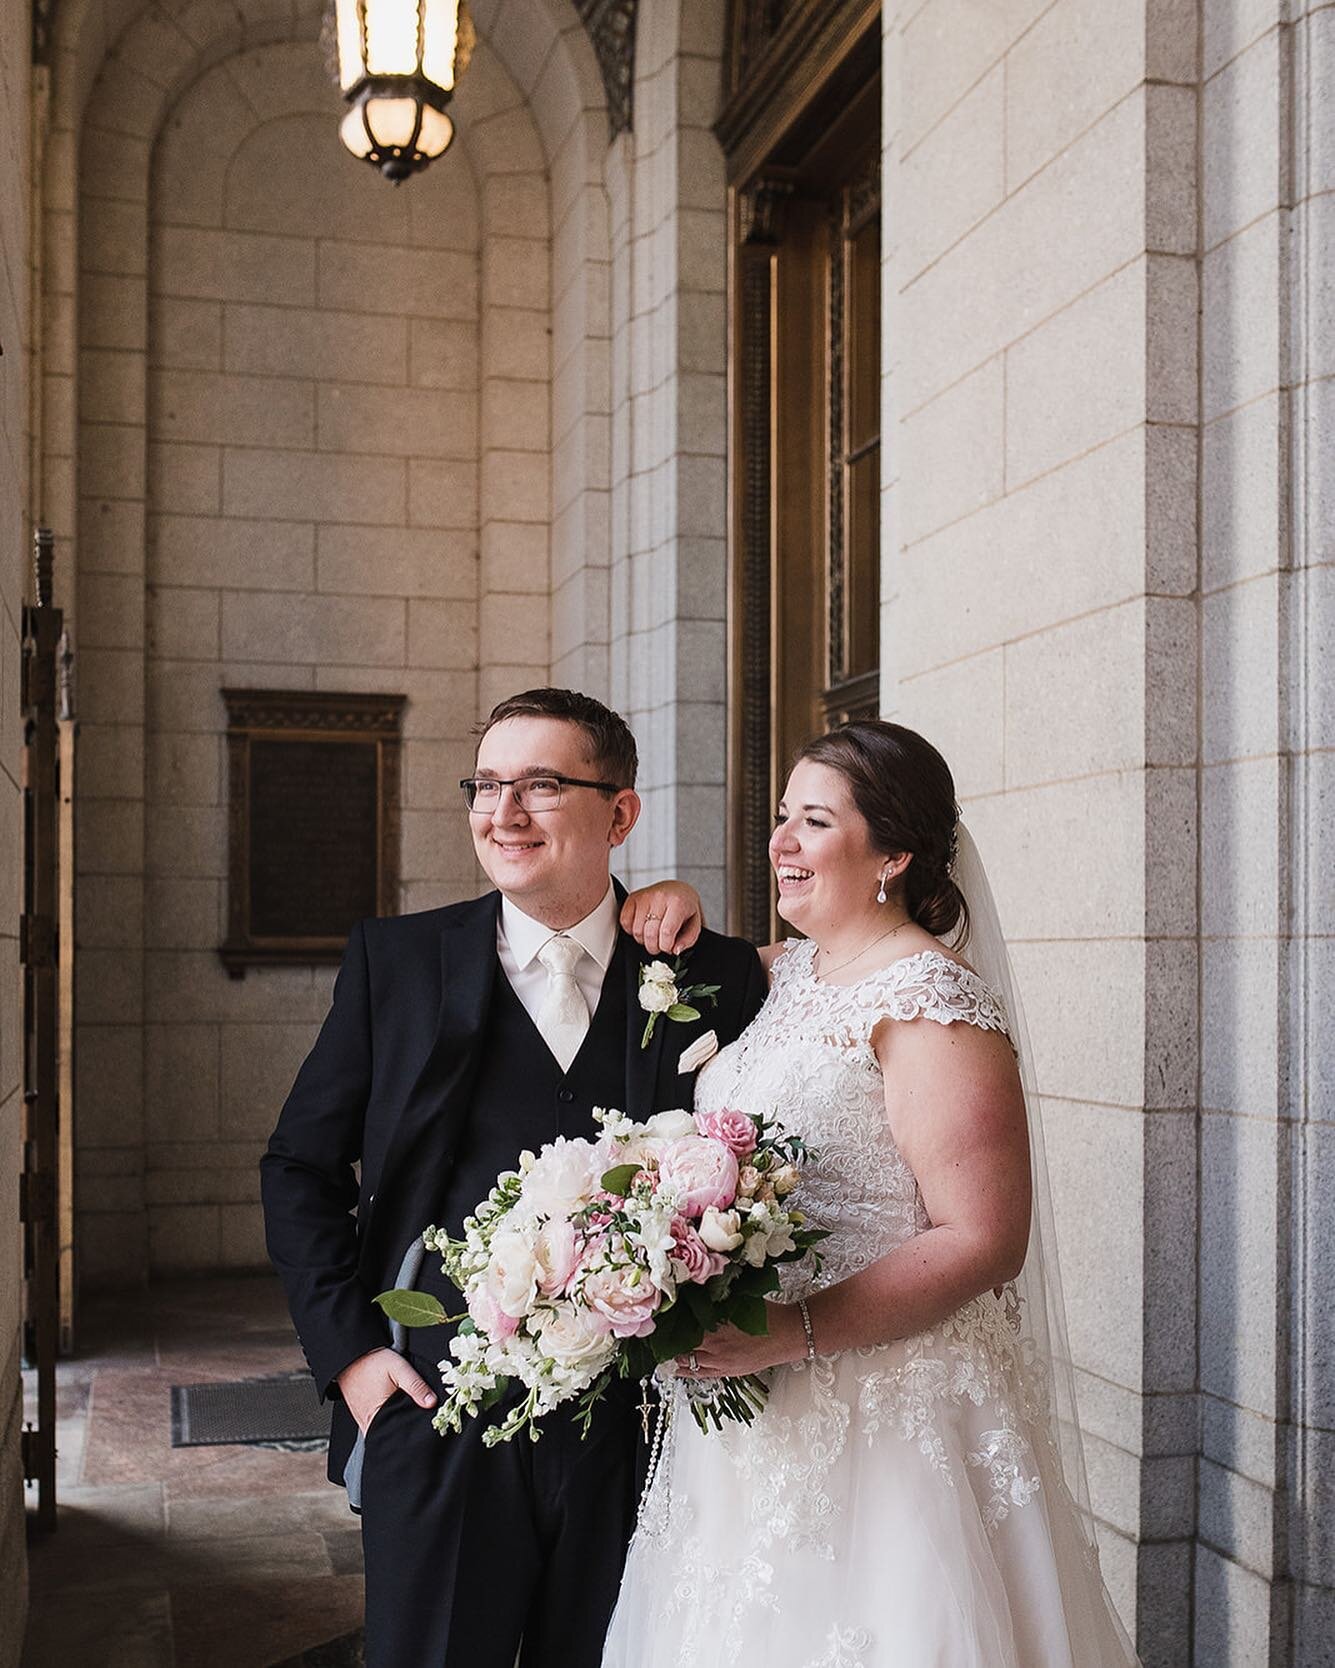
880,896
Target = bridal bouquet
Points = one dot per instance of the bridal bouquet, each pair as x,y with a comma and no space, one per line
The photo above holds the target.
600,1259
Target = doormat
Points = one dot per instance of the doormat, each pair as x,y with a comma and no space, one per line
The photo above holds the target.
346,1652
282,1411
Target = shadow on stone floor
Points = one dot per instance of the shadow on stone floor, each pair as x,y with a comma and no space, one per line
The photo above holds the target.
237,1557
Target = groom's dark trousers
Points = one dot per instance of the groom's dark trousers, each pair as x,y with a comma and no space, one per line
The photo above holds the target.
430,1073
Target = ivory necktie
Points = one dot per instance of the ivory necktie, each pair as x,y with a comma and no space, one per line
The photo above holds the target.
563,1017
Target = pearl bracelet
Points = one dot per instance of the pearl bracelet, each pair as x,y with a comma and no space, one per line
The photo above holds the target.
806,1327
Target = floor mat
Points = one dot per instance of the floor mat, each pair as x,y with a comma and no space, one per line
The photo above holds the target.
259,1410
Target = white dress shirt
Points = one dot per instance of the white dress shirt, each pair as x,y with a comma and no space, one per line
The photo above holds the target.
519,938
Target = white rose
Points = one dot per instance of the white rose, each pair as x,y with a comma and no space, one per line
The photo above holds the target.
512,1273
562,1177
670,1126
576,1337
721,1230
659,973
785,1179
656,998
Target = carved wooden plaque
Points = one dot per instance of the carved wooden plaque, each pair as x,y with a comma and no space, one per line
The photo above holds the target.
313,822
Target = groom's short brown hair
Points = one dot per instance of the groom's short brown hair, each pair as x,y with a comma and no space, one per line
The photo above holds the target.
611,745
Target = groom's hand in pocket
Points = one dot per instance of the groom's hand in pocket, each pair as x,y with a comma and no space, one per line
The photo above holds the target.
373,1378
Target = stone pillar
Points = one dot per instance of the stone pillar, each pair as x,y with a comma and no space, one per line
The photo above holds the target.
670,445
1040,353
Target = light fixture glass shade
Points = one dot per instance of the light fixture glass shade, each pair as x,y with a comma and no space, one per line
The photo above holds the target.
398,63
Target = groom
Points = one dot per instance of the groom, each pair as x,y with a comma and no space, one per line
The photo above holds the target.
458,1037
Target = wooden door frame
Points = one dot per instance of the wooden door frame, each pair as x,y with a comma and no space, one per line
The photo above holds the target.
786,111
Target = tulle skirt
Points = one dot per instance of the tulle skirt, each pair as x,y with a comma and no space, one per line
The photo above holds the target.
864,1521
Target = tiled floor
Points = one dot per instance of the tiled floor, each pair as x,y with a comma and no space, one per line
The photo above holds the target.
188,1557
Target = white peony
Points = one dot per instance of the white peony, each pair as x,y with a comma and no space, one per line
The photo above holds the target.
563,1176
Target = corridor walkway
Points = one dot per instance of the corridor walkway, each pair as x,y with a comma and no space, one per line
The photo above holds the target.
238,1557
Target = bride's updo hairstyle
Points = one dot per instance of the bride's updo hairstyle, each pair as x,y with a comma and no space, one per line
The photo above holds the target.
904,790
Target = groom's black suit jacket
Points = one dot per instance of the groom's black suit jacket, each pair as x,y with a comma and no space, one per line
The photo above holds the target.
389,1085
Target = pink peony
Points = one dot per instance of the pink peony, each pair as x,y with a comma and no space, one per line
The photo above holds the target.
692,1257
734,1129
556,1251
489,1317
626,1299
700,1171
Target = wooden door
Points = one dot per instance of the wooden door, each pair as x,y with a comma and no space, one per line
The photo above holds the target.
802,133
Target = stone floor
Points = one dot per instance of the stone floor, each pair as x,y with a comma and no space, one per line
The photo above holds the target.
241,1557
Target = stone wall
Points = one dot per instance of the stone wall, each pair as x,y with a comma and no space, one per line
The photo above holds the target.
1040,302
15,336
1264,1570
306,401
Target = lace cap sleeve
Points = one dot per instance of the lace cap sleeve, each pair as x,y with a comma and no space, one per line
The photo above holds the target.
930,985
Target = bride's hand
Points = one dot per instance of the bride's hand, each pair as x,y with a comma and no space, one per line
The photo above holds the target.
729,1352
666,917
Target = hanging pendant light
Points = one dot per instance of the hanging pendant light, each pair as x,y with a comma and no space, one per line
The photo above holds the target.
398,62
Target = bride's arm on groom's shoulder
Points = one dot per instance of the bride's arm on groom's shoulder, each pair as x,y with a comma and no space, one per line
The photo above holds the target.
666,918
956,1112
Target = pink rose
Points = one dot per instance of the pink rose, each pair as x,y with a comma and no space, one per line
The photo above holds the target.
693,1258
625,1298
701,1172
736,1131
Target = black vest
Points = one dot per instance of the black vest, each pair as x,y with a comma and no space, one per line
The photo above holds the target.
521,1098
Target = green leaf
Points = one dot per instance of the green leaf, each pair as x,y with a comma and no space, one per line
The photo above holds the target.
677,1332
411,1308
679,1010
748,1314
618,1179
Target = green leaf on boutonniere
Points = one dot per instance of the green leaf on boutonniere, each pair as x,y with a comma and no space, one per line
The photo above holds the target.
619,1179
680,1010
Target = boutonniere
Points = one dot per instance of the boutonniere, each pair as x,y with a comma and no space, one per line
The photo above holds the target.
661,992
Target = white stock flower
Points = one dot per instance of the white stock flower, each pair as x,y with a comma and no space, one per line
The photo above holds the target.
769,1234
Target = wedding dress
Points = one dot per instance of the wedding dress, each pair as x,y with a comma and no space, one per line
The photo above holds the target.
896,1506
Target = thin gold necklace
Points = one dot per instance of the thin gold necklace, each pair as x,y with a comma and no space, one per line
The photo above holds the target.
823,973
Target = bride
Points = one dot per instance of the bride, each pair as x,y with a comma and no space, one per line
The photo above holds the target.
912,1495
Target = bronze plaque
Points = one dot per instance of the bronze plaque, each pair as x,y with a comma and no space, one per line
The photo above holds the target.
313,822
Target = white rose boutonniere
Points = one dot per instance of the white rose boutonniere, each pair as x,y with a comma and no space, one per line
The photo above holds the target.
662,992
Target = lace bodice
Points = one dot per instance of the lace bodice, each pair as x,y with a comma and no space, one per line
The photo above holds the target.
807,1060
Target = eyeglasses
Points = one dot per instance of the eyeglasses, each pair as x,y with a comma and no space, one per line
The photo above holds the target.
531,793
